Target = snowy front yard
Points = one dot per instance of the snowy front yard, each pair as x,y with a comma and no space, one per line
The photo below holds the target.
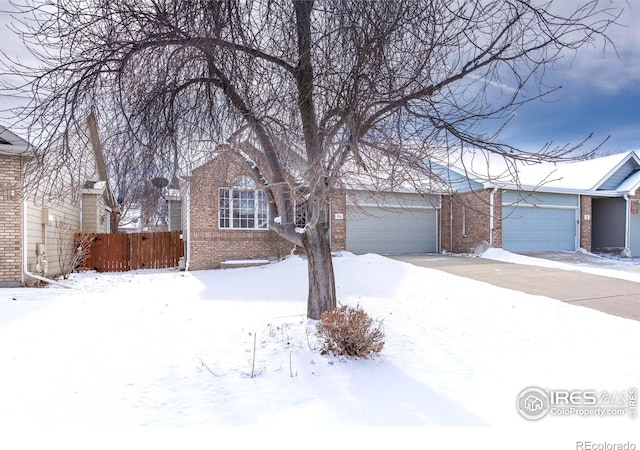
169,348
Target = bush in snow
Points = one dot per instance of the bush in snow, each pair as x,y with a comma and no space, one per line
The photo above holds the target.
350,331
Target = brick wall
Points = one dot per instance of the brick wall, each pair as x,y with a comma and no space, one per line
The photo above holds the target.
585,225
338,225
11,221
465,221
211,245
497,219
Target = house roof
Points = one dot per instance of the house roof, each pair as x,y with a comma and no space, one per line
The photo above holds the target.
471,169
13,145
608,175
101,165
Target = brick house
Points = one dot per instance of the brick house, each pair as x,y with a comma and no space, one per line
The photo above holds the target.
383,222
591,205
216,234
14,154
39,224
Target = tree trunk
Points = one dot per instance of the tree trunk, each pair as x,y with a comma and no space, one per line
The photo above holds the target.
322,286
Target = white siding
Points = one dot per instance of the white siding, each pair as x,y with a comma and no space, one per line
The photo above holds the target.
95,216
55,227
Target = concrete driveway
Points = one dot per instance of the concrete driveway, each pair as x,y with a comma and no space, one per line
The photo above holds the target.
609,295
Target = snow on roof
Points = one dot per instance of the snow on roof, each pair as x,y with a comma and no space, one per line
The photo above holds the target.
588,175
450,170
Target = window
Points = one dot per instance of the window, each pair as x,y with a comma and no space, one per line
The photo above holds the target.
300,213
242,206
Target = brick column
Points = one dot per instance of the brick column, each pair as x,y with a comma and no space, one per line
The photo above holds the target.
11,221
585,222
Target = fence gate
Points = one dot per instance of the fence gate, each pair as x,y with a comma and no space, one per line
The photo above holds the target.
122,252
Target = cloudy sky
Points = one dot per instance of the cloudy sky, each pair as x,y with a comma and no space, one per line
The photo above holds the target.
600,94
600,91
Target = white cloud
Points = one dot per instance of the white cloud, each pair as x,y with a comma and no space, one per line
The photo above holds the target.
610,66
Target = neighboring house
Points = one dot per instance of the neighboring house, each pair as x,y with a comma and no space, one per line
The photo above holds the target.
588,204
14,155
43,221
130,221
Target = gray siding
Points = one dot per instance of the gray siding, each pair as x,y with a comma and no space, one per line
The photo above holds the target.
634,235
619,176
539,198
175,215
393,199
454,180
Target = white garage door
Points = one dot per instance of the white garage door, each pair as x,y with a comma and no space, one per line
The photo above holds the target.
372,229
529,229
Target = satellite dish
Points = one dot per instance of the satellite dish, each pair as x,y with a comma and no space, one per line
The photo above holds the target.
160,182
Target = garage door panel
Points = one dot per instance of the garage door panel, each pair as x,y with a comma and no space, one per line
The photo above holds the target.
391,230
538,229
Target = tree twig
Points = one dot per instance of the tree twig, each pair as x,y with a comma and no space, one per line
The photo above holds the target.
207,367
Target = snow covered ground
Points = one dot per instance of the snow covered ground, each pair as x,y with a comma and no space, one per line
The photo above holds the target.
582,261
176,349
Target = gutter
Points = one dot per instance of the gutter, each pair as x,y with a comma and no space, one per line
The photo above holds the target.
25,271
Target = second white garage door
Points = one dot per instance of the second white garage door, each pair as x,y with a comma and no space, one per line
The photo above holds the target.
389,230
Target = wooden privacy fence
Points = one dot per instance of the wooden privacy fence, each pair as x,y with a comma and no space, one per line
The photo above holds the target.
122,252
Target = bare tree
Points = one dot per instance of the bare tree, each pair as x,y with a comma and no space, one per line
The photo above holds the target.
71,248
134,168
323,91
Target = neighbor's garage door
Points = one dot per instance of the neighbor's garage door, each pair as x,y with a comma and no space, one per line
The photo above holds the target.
372,229
530,229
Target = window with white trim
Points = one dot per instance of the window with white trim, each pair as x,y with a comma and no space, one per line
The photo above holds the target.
242,206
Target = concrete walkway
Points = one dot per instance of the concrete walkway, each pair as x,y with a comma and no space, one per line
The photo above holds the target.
610,295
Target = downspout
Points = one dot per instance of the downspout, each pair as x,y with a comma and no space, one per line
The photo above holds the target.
80,213
439,222
627,226
491,215
188,255
330,225
25,271
451,223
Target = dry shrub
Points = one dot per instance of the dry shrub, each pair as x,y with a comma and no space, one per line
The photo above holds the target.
350,331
